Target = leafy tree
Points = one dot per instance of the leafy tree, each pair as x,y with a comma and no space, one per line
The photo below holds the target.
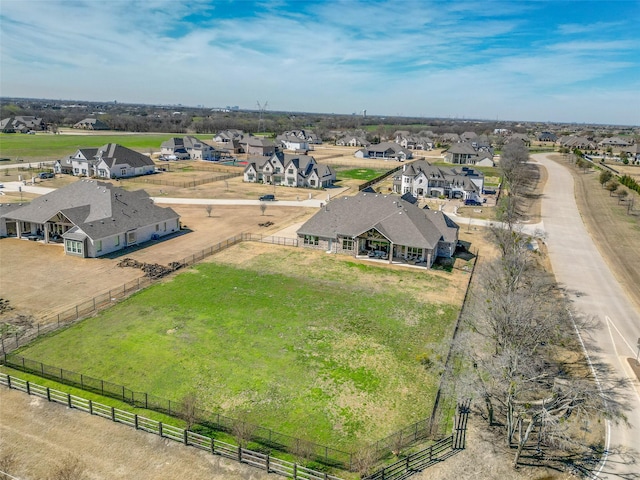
622,195
612,185
604,177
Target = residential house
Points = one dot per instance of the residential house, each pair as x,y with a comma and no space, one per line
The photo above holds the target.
352,141
309,136
450,138
519,137
572,142
109,161
468,137
369,225
188,147
614,142
421,179
227,136
289,170
465,153
91,124
22,124
414,142
547,137
633,153
90,218
385,150
257,146
293,142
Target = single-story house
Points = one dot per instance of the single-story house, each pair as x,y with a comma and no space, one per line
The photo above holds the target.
109,161
91,124
421,179
614,142
352,141
547,137
91,218
572,142
22,124
370,225
289,170
385,150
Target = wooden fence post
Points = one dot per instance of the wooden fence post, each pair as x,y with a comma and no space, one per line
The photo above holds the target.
90,407
9,381
295,471
213,446
239,453
135,420
48,394
268,461
160,429
69,400
113,414
186,436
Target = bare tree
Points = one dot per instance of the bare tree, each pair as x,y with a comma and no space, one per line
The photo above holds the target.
263,207
209,209
243,430
189,409
519,326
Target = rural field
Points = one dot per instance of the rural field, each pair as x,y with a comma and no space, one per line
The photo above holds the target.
346,356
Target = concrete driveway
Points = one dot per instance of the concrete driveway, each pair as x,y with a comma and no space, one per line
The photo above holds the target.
594,290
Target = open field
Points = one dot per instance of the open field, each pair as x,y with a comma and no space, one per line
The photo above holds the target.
42,147
334,358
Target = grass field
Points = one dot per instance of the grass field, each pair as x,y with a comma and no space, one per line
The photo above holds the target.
364,174
33,148
335,359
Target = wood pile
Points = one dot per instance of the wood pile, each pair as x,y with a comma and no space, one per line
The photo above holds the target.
151,270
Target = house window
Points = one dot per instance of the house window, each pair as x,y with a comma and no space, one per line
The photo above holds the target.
165,226
102,172
347,244
157,227
123,171
312,183
75,170
131,237
251,177
98,245
311,240
117,240
73,246
291,171
277,170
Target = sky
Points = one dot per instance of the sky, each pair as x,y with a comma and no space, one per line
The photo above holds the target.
557,61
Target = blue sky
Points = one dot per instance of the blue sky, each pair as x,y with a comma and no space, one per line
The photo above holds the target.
567,61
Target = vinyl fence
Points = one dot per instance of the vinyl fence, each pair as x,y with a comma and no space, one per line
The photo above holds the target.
187,437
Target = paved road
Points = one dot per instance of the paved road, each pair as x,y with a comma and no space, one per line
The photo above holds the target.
578,265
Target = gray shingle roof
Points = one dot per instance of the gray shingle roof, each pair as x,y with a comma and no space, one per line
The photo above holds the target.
100,209
398,220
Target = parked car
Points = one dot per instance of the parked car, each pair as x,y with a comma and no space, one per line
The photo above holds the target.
267,198
471,201
43,175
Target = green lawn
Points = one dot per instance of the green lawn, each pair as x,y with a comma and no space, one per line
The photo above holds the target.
32,148
364,174
335,359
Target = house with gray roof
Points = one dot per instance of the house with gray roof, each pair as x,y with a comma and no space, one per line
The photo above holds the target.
467,153
91,124
386,151
22,124
293,142
188,147
90,218
289,170
109,161
421,179
258,146
384,227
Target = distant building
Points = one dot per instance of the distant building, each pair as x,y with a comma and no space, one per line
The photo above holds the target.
91,124
22,124
289,170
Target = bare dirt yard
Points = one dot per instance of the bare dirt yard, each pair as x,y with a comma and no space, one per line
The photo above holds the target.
40,280
37,437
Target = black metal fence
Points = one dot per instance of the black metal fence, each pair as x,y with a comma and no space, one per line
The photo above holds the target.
182,184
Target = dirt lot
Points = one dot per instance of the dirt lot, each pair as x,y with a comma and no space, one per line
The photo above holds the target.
42,435
43,280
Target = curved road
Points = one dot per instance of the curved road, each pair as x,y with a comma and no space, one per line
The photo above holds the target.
579,266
